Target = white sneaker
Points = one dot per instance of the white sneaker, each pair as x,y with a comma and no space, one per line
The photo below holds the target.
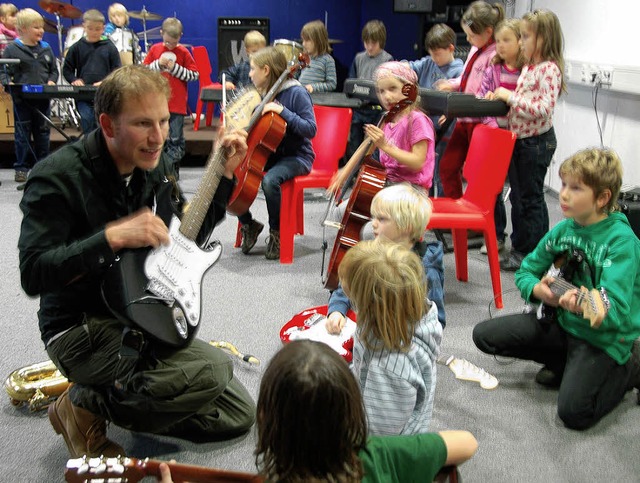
483,248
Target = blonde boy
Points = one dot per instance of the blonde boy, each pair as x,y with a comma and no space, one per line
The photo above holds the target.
89,61
237,76
176,64
400,214
37,66
592,363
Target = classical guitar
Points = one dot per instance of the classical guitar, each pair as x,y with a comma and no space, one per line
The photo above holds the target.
594,303
265,134
132,470
123,469
371,178
159,290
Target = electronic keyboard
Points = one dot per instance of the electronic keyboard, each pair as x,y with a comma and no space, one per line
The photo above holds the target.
37,91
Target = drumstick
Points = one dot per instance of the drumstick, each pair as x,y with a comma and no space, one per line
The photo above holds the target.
229,347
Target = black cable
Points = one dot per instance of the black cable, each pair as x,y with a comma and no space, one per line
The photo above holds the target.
594,98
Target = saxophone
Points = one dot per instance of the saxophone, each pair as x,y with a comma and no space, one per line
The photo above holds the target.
37,385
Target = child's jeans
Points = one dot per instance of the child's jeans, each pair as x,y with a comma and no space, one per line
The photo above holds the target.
528,168
28,122
175,145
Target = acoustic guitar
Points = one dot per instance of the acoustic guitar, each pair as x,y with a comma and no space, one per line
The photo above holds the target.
159,290
265,134
132,470
371,178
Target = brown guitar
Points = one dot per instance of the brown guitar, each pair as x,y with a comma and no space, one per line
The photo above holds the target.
123,469
131,470
265,134
371,178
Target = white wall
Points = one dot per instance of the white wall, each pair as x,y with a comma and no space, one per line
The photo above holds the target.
597,32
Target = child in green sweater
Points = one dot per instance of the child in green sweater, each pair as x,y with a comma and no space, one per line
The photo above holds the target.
593,362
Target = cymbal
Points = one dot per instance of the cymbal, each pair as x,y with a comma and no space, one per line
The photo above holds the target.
51,27
144,15
61,9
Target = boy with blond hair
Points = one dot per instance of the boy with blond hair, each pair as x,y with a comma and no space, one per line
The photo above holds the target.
37,66
176,63
8,12
400,214
593,362
237,76
88,61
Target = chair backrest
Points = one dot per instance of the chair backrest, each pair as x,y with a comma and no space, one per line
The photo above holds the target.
201,56
330,141
487,164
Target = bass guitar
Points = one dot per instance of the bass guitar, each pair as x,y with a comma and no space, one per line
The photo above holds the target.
123,469
159,290
594,303
371,178
265,134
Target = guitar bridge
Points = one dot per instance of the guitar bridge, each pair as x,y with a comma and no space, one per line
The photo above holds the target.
161,291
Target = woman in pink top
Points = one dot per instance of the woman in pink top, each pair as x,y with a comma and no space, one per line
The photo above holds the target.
531,119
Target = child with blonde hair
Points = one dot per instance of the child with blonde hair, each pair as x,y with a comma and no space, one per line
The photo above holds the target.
593,363
125,39
400,214
530,117
176,63
8,12
406,144
397,340
237,75
320,75
37,66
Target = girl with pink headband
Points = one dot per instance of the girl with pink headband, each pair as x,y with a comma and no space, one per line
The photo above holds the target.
405,144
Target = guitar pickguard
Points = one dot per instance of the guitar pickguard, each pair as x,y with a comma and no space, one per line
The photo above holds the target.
175,272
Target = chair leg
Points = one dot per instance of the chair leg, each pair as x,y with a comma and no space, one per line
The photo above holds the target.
460,250
287,222
211,107
238,236
196,122
494,265
299,207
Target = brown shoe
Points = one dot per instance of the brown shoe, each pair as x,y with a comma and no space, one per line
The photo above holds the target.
83,431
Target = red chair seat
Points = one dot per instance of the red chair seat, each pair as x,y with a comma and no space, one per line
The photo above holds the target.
485,170
201,56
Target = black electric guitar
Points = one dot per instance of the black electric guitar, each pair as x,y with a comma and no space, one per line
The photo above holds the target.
159,290
594,303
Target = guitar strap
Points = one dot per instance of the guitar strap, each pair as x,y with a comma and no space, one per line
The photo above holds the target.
132,345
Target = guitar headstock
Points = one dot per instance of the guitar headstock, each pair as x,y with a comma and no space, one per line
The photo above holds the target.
80,470
594,304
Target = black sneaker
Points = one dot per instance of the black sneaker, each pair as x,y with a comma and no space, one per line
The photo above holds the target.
20,176
512,262
546,377
250,233
273,245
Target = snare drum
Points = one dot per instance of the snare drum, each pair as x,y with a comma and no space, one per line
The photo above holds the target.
289,48
73,35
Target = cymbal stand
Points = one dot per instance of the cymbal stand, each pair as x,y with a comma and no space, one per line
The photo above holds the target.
144,28
64,108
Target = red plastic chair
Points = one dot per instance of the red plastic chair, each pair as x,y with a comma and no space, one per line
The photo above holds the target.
485,170
329,144
201,56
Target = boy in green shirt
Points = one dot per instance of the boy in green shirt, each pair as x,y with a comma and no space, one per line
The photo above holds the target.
594,362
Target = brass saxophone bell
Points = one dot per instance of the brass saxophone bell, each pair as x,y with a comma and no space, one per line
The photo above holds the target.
37,385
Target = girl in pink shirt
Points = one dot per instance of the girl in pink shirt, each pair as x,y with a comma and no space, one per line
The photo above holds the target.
531,119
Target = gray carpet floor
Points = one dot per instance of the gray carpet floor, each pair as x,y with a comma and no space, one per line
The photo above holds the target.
247,299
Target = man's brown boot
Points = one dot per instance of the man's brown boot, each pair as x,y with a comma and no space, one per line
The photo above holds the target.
84,432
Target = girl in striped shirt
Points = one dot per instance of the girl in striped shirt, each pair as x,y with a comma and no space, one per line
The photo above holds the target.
320,76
